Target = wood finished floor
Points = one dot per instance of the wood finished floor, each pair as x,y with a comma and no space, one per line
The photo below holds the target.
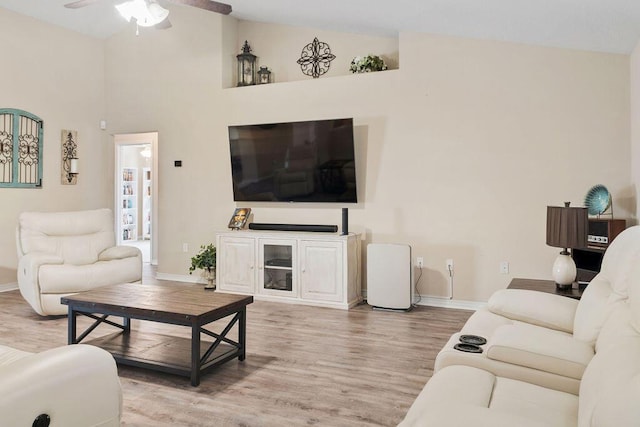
304,366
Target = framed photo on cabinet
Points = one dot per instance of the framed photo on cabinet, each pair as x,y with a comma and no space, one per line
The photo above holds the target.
239,218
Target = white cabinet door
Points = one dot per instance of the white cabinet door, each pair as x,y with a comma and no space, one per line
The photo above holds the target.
236,271
321,270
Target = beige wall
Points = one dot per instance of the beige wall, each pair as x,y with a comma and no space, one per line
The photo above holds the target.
459,151
57,75
635,124
170,81
499,131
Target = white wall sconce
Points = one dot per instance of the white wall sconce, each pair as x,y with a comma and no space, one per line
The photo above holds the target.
69,157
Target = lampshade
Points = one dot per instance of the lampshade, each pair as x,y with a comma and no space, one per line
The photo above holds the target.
147,13
567,227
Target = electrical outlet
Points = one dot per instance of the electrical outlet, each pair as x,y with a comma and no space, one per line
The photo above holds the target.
504,267
449,264
185,247
419,262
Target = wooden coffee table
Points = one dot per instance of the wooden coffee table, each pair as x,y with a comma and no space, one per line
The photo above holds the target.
168,302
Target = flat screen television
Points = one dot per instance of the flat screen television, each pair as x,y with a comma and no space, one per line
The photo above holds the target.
309,161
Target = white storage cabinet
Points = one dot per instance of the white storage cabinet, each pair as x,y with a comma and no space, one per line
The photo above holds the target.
306,268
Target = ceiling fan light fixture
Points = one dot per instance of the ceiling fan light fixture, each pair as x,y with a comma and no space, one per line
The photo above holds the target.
146,13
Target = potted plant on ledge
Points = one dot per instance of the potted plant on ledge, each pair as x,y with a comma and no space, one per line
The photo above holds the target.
367,64
205,260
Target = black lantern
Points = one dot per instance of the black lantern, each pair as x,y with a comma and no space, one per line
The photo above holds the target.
264,76
246,66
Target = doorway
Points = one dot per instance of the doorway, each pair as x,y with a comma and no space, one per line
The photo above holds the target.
136,187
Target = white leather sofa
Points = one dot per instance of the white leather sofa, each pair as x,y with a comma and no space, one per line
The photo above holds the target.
548,360
546,339
62,253
75,385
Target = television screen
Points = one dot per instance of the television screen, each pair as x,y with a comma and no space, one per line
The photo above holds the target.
311,161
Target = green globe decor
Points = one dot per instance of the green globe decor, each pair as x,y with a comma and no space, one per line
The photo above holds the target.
366,64
597,200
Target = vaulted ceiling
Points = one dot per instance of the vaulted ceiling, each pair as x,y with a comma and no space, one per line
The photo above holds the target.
598,25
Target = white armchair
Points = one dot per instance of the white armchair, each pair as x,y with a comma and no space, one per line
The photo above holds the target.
62,253
76,385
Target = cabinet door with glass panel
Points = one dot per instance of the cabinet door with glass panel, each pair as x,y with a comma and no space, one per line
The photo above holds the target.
276,275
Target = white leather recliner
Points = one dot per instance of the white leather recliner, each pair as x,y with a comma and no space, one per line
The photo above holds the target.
547,363
609,391
75,385
547,339
62,253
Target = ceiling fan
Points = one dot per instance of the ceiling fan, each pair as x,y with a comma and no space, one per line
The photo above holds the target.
148,13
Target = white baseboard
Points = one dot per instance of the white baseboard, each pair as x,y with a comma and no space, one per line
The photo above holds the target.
444,302
180,278
451,303
425,301
9,287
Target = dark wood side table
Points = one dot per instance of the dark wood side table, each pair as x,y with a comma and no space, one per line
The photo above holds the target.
548,286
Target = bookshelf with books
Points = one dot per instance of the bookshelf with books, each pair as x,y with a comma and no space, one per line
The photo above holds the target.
147,191
128,205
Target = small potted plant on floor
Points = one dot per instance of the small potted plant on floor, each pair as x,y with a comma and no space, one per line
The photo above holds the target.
205,260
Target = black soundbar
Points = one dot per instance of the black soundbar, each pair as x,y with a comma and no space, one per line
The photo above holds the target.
293,227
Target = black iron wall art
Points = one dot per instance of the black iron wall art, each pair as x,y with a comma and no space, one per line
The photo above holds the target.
316,58
69,142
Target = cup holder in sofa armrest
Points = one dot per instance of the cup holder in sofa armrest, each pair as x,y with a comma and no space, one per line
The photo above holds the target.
473,339
470,343
468,348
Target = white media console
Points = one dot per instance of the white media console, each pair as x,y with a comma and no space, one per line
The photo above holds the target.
310,268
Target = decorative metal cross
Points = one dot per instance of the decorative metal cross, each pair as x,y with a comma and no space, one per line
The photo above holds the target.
316,58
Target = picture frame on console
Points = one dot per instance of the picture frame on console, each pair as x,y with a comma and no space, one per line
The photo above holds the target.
239,218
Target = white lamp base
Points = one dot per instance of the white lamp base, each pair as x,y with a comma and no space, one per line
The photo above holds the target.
564,270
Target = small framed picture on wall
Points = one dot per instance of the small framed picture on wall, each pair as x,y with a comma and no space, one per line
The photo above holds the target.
239,218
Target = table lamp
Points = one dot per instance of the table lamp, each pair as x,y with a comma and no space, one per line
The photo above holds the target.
567,227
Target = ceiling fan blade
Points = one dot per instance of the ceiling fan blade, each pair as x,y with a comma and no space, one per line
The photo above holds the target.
80,3
164,25
210,5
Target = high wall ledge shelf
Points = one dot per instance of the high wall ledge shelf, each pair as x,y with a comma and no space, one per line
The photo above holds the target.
364,77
